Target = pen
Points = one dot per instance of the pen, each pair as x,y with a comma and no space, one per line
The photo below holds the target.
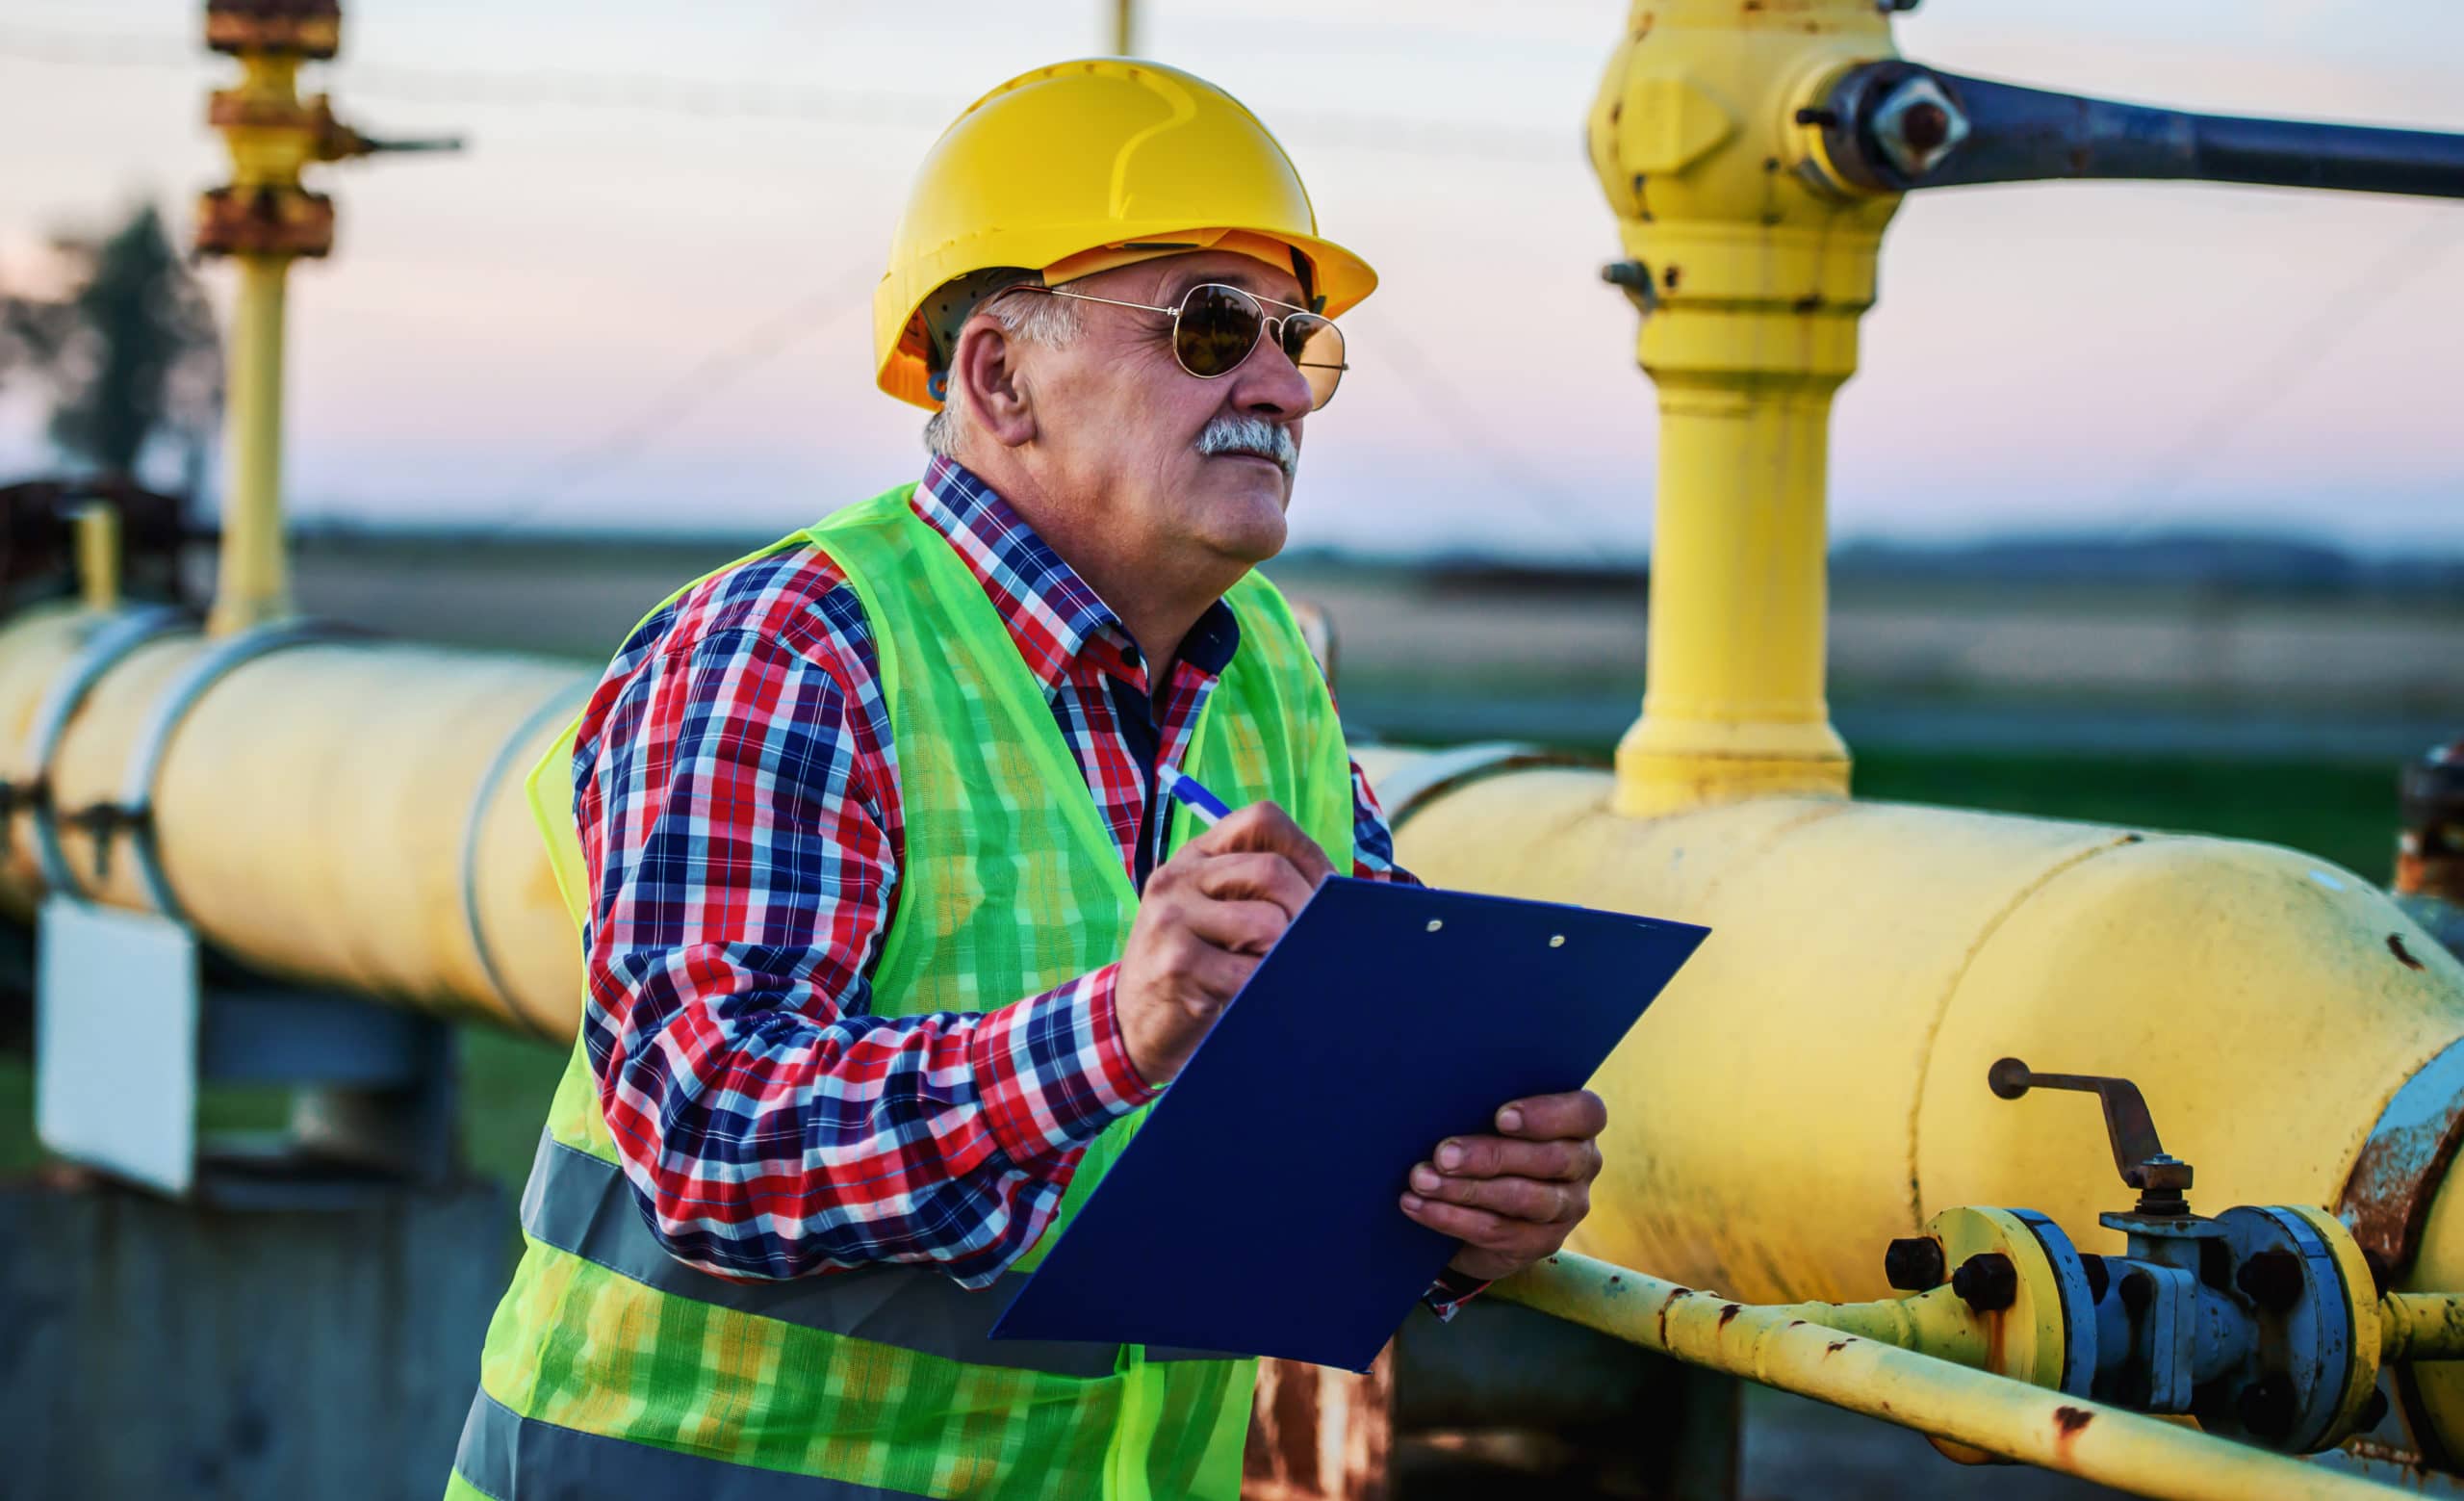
1191,793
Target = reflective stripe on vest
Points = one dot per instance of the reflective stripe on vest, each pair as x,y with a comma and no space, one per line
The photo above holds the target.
503,1453
581,1205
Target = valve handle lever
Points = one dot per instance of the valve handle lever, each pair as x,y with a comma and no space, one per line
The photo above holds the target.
2160,1179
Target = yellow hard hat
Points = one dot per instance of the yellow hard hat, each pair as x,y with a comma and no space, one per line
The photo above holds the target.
1078,167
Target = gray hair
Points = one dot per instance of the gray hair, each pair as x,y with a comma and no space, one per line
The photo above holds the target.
1026,315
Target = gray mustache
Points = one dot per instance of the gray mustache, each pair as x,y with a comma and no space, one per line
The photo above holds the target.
1251,435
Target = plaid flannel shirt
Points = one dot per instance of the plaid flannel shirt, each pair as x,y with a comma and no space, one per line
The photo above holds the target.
738,801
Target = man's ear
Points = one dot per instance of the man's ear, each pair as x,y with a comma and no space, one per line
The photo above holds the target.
998,402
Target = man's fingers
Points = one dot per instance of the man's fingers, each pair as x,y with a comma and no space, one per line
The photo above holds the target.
1536,1201
1241,928
1267,828
1255,875
1572,1117
1472,1226
1218,972
1502,1157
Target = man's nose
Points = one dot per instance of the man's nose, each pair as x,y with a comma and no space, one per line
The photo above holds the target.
1272,386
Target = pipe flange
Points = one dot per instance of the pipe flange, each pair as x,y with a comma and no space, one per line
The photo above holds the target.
545,713
2044,1334
2307,1377
107,648
136,808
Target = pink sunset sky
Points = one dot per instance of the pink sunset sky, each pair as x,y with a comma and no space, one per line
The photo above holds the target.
622,308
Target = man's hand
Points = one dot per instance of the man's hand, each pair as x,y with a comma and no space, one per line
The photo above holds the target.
1206,917
1515,1197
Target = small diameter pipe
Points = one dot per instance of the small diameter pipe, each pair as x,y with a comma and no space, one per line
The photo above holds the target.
2421,1326
253,587
1777,1347
98,555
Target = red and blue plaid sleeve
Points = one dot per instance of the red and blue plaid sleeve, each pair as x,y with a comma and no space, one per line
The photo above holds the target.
738,804
1373,842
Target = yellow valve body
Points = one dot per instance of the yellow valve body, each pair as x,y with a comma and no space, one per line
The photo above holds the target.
1757,272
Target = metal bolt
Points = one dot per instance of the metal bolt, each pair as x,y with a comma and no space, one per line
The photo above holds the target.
1987,1282
1914,1263
2268,1406
1916,125
2272,1280
1925,126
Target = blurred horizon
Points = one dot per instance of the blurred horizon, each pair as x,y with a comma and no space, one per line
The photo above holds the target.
640,304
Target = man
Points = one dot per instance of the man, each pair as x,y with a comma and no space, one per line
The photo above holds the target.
890,936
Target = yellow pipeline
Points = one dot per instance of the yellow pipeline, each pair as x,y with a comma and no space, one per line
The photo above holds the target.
1812,1084
336,813
1757,275
1779,1347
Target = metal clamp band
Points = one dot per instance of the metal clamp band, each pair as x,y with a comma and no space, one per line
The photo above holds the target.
2387,1196
549,710
154,739
1421,782
107,648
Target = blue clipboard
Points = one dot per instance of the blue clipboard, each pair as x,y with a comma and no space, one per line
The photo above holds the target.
1256,1212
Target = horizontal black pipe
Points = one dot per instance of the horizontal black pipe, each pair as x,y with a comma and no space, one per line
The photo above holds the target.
2022,135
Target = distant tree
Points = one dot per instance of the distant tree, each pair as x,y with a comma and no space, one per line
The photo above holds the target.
129,349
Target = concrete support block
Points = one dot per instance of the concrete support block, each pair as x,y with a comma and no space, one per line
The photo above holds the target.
154,1348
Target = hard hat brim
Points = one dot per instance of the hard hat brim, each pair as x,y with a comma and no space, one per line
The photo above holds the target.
1342,278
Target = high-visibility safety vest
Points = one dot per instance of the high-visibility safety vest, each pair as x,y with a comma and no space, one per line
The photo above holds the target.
613,1370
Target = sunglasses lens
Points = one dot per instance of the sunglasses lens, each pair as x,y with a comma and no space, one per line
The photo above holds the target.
1317,348
1217,330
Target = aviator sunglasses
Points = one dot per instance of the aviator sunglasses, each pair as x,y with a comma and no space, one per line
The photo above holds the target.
1216,327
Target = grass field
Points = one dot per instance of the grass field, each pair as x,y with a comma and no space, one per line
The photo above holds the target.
2343,813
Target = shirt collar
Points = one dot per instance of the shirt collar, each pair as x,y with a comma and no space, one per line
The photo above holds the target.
1054,615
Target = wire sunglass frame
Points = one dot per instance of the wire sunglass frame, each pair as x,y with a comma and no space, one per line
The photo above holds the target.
1270,326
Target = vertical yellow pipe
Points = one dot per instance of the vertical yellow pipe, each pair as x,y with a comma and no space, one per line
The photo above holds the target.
98,555
253,585
1734,703
1753,271
1124,28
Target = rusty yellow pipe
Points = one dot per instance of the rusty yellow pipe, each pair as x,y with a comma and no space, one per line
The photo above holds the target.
1778,1347
2421,1326
1933,1323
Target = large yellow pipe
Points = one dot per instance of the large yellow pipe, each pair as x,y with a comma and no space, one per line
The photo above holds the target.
1812,1084
343,814
1780,1346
